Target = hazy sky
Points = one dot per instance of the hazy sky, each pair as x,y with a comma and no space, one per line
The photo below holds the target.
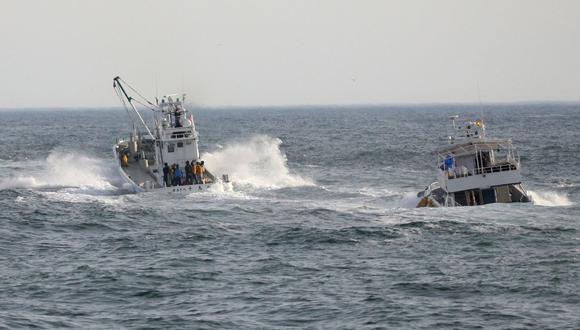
268,52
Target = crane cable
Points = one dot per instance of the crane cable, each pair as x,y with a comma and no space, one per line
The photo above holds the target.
136,92
124,103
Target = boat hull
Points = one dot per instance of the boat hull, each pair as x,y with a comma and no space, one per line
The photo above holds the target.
435,196
132,186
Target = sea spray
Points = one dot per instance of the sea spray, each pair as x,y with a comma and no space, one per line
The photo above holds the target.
64,169
257,161
549,198
541,198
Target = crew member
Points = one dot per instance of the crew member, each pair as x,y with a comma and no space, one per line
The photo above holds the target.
194,171
170,175
197,173
124,160
188,172
166,175
202,172
177,174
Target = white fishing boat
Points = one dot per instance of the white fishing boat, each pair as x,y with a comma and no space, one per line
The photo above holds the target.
150,158
475,170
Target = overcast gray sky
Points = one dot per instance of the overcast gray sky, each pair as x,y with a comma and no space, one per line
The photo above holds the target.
268,52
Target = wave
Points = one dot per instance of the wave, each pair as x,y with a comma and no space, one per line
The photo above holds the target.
64,169
408,201
549,198
223,190
257,161
543,198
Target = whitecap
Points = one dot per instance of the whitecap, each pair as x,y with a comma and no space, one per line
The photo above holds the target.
549,198
257,161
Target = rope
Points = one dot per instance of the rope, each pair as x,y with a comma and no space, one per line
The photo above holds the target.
137,92
119,89
145,105
123,102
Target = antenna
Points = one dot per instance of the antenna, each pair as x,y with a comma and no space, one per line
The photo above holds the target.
480,110
182,90
182,82
156,91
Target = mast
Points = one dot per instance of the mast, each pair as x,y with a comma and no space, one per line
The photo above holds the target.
117,84
481,111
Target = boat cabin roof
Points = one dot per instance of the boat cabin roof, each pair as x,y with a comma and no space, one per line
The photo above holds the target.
471,147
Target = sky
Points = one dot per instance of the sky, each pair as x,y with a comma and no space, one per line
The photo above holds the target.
65,53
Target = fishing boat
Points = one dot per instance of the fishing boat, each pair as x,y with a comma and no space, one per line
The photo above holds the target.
150,157
473,169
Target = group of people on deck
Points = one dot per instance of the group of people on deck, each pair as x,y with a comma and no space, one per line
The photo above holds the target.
193,173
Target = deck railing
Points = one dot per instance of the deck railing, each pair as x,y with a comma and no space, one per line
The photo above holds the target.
497,168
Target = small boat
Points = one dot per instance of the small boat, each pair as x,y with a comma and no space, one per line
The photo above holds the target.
475,170
147,159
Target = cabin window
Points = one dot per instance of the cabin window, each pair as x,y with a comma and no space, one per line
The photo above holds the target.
188,142
171,147
180,144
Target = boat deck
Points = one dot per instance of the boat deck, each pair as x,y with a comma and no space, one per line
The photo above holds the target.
136,172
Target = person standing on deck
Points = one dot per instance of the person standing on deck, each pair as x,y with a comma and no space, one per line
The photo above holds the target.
177,175
202,171
197,170
170,175
188,173
194,172
124,160
166,175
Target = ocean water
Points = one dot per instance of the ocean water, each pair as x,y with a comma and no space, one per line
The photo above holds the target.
317,230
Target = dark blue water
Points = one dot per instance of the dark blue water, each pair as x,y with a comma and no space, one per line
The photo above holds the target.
318,229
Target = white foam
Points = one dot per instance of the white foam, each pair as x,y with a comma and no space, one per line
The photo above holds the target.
223,190
542,198
221,187
73,195
409,200
257,161
549,198
378,192
64,170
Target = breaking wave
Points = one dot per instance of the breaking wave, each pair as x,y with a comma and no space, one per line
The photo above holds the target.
257,161
549,198
408,201
544,198
63,169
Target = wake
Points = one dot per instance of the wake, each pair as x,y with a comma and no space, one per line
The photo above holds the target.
64,169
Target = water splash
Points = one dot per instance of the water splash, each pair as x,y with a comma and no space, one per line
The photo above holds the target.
549,198
408,201
542,198
257,161
63,169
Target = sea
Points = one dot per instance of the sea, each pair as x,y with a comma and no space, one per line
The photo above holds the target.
316,230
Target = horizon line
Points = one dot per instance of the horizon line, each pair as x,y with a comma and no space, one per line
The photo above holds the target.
316,105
